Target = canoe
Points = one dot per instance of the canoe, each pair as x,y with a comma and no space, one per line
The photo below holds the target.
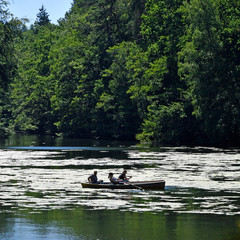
160,184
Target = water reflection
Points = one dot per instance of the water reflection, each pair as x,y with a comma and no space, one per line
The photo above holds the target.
92,225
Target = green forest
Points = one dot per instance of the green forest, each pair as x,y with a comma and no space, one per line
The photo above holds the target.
160,71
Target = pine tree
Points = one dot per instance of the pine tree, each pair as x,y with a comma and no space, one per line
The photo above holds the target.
42,17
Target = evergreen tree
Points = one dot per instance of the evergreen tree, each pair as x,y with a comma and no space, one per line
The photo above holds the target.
42,17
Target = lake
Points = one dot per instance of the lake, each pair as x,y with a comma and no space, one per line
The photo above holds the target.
42,198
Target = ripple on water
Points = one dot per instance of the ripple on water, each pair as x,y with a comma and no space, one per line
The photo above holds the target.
199,180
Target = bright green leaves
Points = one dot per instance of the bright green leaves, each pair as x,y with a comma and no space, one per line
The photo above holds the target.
32,87
120,111
9,29
166,124
163,30
167,71
209,65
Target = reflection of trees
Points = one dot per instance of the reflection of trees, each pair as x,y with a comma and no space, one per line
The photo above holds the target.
6,226
80,223
100,224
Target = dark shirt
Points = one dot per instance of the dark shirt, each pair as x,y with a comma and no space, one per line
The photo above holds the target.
122,176
93,178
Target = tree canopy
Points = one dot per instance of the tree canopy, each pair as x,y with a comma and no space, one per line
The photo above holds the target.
153,70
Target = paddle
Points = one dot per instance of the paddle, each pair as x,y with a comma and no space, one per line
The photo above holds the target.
128,183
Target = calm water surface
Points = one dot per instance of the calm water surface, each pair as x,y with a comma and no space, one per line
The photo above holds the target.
42,198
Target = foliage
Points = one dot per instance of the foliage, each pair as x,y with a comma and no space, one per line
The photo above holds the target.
121,117
9,29
210,66
42,17
163,30
165,124
32,87
163,71
101,24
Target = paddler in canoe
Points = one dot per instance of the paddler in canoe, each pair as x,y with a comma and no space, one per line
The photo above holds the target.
93,178
124,177
113,179
120,184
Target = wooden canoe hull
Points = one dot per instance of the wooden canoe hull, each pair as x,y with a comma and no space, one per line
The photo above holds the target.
131,185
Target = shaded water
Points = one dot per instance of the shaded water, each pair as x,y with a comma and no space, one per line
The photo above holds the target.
41,196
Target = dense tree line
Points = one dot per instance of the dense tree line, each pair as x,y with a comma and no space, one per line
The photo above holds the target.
156,70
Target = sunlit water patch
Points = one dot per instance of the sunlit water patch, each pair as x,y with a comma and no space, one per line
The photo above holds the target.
198,180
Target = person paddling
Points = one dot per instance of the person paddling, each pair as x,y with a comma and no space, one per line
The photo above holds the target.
124,177
113,179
